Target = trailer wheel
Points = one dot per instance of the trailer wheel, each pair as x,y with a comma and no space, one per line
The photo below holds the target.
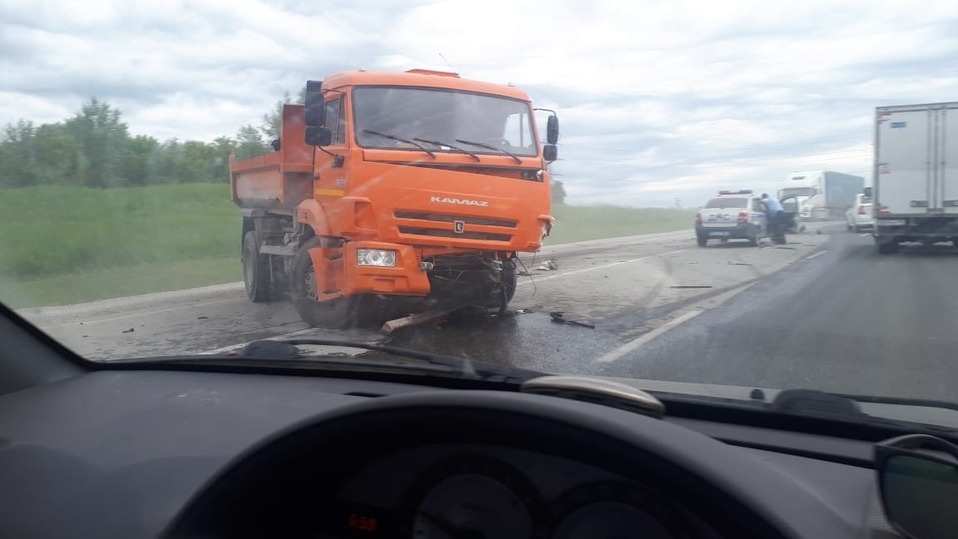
332,314
256,274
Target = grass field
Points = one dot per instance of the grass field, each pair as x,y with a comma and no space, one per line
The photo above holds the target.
64,245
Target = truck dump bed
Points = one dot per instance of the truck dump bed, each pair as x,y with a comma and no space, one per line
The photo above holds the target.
279,180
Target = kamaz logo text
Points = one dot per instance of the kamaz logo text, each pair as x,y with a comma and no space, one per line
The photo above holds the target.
459,201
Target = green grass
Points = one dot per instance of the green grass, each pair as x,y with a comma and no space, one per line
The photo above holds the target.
582,223
62,245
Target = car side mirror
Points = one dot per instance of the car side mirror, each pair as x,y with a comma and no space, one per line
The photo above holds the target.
918,479
552,129
318,136
550,152
315,107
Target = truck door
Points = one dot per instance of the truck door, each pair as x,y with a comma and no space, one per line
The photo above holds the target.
790,207
948,158
332,178
904,164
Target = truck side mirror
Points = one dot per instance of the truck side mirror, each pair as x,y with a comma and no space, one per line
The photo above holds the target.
552,129
550,153
318,136
315,113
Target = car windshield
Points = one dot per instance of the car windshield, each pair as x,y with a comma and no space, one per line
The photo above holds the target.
561,187
442,117
727,203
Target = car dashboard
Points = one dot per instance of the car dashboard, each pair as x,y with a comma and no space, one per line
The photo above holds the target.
156,453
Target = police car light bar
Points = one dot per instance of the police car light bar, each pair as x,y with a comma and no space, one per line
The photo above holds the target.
739,192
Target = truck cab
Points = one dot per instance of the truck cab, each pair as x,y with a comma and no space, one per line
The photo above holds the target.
418,184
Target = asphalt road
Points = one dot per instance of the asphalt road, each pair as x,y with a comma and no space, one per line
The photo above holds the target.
824,312
624,287
848,320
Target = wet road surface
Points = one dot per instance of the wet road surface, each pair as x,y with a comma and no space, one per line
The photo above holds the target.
624,287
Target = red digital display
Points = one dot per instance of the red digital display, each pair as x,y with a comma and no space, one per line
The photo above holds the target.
363,523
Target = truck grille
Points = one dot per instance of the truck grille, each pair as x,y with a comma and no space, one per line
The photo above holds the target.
445,226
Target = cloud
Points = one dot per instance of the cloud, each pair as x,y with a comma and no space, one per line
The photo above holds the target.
656,100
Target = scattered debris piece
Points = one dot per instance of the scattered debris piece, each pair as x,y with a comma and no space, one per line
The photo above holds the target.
560,318
548,265
202,317
691,286
131,330
789,248
730,263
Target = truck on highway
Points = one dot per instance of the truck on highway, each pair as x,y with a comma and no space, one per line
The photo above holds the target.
391,187
915,191
822,194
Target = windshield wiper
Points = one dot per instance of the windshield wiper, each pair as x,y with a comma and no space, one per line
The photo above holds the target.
286,353
457,148
407,141
491,147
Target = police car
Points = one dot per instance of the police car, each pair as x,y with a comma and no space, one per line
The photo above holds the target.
732,215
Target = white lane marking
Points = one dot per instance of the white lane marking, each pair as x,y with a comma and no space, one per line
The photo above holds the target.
232,347
594,268
621,351
816,255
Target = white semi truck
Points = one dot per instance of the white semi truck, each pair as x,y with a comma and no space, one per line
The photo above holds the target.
822,194
915,196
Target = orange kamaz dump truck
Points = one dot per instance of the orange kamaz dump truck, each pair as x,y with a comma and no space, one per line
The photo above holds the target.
391,187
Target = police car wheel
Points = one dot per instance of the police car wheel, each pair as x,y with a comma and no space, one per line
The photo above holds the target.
702,241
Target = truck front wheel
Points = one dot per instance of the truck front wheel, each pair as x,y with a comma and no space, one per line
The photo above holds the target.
332,314
887,247
256,275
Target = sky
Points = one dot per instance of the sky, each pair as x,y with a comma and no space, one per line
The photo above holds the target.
660,103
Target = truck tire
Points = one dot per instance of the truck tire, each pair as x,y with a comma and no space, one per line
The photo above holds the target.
331,314
887,247
702,241
256,275
509,278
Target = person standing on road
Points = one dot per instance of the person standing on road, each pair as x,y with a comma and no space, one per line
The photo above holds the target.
773,209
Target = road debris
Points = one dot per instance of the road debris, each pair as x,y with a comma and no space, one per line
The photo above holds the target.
548,265
730,263
131,330
560,318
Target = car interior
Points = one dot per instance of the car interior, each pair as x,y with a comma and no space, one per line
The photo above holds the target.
274,448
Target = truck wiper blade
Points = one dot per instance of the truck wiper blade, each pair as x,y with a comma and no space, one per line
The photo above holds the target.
286,353
491,147
457,148
407,141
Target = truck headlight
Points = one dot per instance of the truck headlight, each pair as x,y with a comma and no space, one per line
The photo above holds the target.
376,257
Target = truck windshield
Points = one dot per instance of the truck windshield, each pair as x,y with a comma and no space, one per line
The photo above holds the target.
797,191
442,116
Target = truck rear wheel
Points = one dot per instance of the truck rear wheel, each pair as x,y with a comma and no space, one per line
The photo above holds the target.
256,274
332,314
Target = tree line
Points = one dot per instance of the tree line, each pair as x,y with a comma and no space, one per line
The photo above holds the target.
94,148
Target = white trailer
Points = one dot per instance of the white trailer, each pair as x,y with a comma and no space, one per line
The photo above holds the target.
822,194
916,175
